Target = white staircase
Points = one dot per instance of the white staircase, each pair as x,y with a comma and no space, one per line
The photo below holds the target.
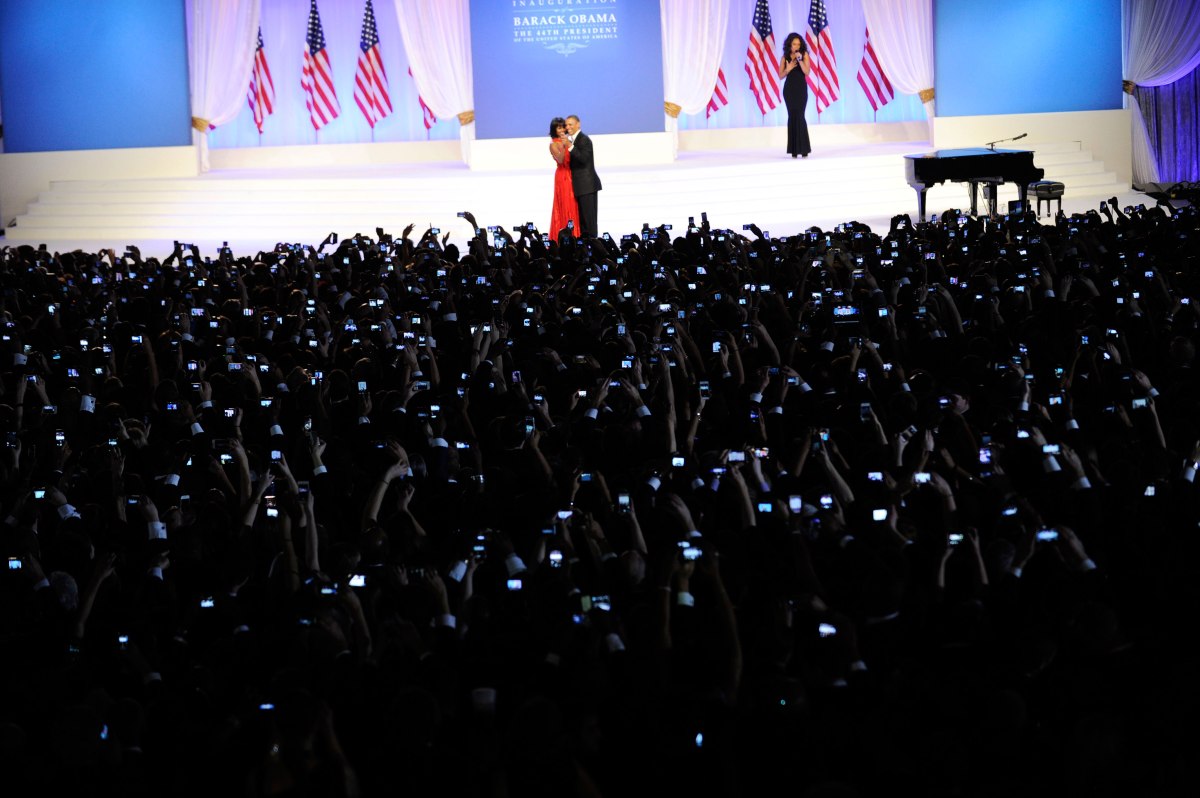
256,208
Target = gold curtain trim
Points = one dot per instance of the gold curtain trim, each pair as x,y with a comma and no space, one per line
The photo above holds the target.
1128,86
200,124
466,117
672,109
926,95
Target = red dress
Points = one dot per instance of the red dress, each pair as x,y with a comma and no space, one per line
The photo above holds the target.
564,208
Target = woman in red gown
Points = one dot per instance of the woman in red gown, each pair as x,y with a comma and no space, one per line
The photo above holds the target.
564,209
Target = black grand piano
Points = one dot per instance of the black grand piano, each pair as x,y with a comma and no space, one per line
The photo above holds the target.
974,165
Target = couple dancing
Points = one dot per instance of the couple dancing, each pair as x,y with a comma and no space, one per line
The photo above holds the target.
575,179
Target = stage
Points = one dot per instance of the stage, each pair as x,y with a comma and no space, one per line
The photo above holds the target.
354,190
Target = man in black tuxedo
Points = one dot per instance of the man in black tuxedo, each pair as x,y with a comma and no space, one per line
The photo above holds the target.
584,179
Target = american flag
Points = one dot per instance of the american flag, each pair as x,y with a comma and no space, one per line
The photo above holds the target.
720,95
822,77
316,78
426,113
874,83
370,80
262,89
760,59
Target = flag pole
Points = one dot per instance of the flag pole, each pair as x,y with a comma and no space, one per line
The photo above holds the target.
819,61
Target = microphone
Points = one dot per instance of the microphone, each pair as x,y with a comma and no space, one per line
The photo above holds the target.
991,145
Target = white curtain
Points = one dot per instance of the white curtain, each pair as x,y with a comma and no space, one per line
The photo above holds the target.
1160,43
902,35
437,38
693,36
222,36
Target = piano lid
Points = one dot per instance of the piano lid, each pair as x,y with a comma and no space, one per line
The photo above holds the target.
966,152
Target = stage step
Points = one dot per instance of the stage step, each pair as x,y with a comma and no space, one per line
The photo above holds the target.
254,208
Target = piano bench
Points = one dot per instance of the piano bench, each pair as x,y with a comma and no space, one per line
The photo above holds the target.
1047,191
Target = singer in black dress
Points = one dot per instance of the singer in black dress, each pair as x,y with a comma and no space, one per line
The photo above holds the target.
793,70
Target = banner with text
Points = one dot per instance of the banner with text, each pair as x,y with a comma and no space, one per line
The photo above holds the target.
537,59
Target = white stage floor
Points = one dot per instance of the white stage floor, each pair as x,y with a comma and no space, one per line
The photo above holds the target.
255,208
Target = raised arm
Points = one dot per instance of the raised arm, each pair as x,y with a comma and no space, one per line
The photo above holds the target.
101,571
374,502
727,648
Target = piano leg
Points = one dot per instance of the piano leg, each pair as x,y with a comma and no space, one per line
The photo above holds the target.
974,195
1023,195
920,204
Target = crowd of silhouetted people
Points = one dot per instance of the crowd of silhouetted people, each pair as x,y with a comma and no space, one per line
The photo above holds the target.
846,513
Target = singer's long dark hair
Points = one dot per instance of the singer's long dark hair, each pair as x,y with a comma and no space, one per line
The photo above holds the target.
555,124
787,45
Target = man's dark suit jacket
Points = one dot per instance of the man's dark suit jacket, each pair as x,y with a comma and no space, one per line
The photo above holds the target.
583,172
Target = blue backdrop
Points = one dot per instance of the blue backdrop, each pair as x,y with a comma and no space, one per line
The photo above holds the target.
80,75
93,75
1027,56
